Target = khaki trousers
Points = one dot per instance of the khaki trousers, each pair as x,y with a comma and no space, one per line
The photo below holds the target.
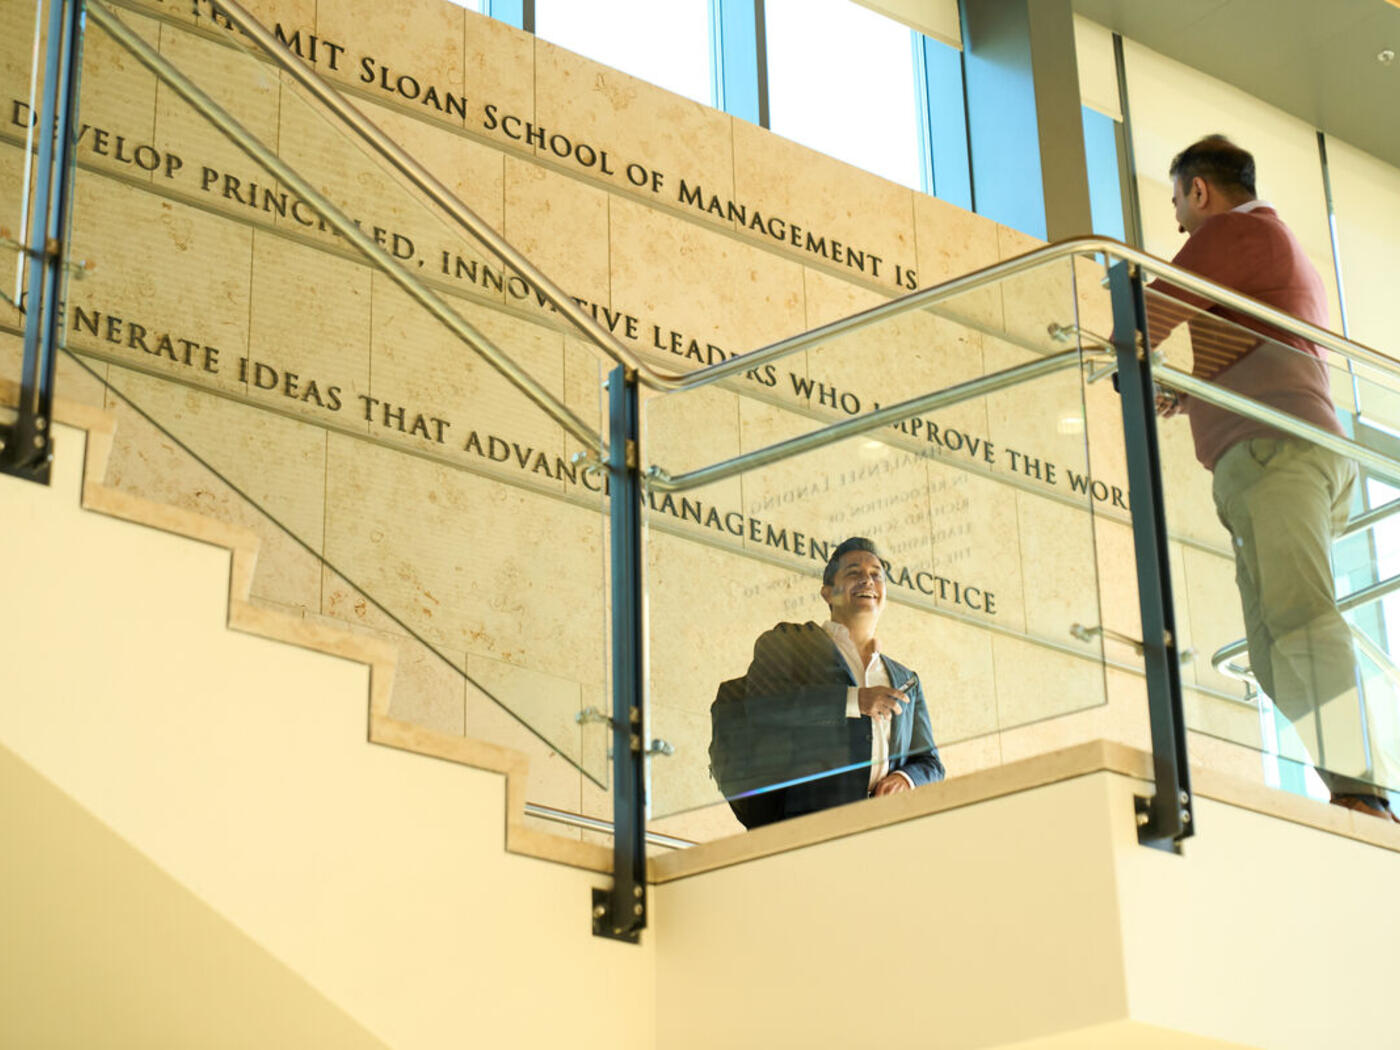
1283,501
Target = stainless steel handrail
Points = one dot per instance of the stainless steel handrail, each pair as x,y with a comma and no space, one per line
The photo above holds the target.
606,827
1371,518
1222,658
415,172
408,166
1077,246
1377,655
659,380
922,299
916,300
22,257
663,482
1384,466
246,141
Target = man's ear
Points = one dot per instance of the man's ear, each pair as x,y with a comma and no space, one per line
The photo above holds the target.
1200,190
826,595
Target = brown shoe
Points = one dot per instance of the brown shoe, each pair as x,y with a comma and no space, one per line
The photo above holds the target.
1368,804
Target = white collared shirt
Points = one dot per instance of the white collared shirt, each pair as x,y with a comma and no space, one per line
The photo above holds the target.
873,673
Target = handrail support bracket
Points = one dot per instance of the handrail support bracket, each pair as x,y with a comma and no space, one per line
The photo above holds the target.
621,912
1164,819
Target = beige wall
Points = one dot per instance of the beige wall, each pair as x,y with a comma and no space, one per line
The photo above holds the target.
102,948
1366,201
1033,920
239,768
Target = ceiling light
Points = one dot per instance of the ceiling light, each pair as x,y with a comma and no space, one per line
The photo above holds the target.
1386,56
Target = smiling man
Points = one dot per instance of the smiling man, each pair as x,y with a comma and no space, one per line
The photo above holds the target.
823,717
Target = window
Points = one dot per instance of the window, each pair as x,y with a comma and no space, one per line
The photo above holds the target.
667,44
841,80
1101,162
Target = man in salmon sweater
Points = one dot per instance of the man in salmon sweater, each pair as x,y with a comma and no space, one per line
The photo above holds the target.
1282,498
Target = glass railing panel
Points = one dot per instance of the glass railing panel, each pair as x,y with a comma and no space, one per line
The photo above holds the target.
987,531
1257,517
21,68
952,340
427,690
437,501
116,93
1369,560
407,223
1373,389
421,232
19,65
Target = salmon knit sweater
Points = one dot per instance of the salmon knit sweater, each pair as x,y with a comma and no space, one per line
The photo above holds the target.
1255,253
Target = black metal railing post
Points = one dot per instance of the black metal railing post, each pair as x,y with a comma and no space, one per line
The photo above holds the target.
1166,817
26,444
621,912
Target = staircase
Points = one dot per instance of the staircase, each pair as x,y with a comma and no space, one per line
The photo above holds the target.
216,794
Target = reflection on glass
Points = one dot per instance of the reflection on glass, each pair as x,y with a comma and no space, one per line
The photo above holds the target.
823,717
415,488
841,80
1375,626
664,44
1385,539
983,509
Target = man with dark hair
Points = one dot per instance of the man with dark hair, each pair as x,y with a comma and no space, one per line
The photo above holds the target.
1217,160
822,717
1283,499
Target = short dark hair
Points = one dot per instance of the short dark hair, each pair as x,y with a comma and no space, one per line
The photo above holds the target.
1217,160
855,543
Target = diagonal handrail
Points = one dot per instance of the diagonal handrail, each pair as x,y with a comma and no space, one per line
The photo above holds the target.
1371,518
346,227
1239,404
656,379
1223,658
1074,247
603,340
409,166
662,481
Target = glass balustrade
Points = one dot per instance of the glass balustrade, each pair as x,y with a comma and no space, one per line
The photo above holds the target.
414,429
22,37
418,493
981,504
1261,545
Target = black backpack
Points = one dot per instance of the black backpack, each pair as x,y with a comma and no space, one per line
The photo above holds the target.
732,761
